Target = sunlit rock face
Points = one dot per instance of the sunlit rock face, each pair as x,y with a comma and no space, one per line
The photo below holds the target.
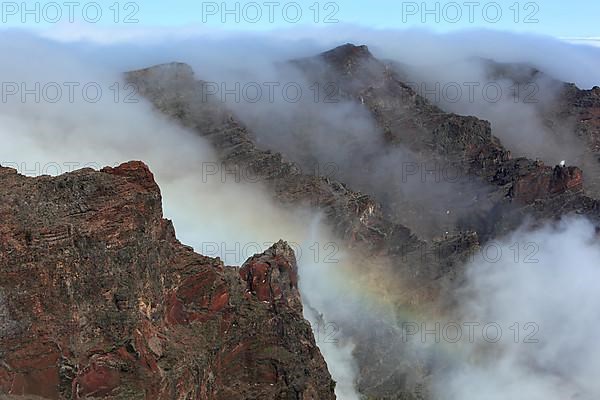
99,299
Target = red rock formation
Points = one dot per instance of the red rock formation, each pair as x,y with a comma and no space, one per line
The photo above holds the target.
544,181
273,277
99,299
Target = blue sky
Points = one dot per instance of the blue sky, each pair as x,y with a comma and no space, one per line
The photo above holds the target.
578,18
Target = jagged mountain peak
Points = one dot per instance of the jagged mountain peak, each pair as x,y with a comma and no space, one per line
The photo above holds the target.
349,59
348,51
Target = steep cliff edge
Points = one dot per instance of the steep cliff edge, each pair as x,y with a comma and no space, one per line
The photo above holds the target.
99,299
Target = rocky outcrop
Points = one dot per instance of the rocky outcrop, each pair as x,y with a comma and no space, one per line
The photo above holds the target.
98,299
273,277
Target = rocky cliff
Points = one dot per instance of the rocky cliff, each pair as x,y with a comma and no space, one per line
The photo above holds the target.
98,299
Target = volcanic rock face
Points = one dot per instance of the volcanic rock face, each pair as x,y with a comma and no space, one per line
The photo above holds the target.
98,299
273,277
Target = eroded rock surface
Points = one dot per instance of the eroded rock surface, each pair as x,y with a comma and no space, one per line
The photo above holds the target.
98,299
